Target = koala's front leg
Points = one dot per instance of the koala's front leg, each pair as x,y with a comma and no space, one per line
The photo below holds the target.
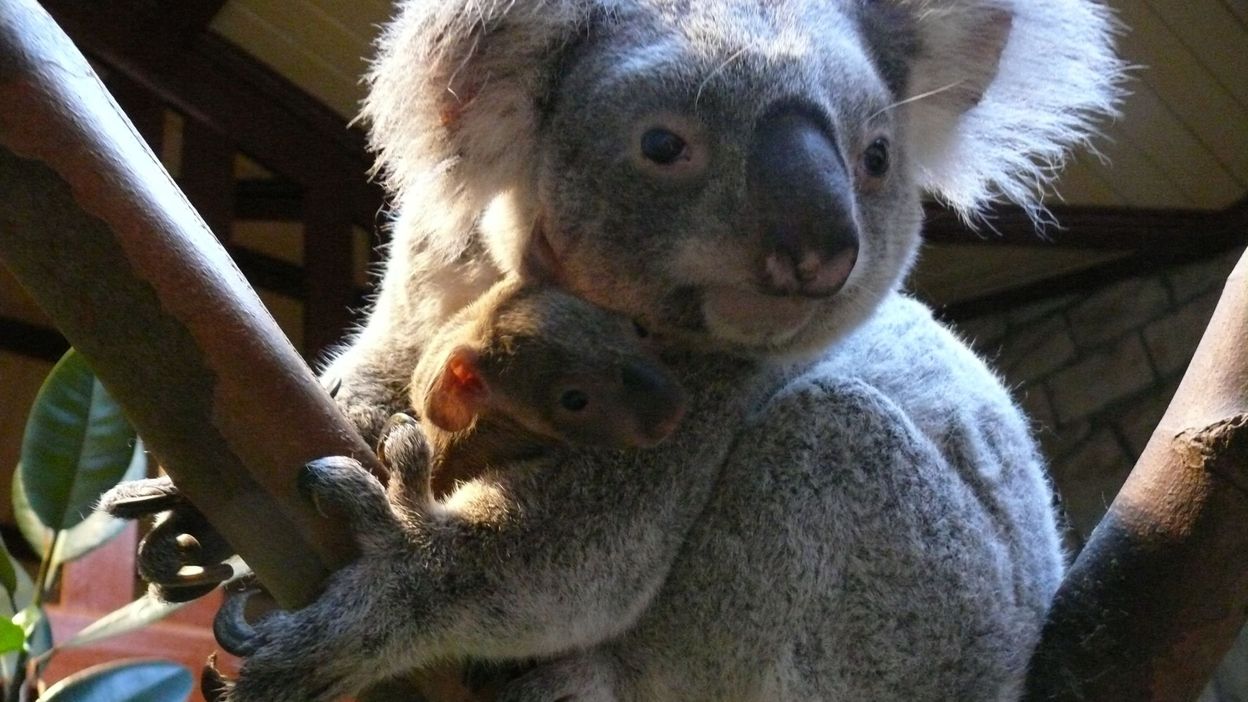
584,677
353,633
182,556
369,389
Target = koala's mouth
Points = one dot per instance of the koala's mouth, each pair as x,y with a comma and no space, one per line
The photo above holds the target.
751,317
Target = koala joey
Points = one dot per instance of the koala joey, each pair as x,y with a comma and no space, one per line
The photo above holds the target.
852,506
527,367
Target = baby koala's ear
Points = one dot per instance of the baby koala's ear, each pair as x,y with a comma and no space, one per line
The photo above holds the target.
459,393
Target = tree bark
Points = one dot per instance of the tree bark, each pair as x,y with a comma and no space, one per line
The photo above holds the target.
1157,596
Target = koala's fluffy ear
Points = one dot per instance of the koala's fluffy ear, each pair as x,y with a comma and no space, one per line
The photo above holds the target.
1000,90
454,99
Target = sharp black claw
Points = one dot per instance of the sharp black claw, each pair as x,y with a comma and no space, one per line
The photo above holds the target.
396,420
143,505
234,634
212,683
334,387
193,575
189,546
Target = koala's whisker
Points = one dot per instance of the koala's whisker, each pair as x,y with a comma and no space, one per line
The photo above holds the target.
916,98
714,72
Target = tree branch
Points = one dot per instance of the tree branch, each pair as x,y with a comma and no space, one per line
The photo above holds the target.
1157,596
96,230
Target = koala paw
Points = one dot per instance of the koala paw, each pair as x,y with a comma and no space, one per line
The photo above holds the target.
182,556
331,648
341,486
366,405
404,450
569,680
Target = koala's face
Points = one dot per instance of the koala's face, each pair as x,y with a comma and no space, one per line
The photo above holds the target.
741,182
571,371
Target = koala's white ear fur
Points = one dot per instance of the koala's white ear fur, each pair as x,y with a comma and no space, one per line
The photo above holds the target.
1002,90
453,104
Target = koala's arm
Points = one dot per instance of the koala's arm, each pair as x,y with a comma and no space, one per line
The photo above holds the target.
541,560
419,292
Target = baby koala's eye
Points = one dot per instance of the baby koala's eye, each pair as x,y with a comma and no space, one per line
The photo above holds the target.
574,400
662,146
641,330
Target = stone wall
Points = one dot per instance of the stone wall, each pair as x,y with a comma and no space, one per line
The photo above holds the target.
1095,371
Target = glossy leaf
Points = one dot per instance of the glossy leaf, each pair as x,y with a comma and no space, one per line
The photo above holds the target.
127,681
86,536
77,444
12,638
23,595
135,615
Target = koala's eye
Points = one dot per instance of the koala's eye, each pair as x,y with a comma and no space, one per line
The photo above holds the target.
662,146
642,332
875,158
574,400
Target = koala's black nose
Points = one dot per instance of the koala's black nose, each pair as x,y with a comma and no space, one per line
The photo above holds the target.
802,195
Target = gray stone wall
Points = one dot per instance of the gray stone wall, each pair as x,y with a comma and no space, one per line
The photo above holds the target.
1095,371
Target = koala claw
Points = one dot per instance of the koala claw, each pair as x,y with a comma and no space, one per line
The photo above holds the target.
233,632
135,499
396,420
212,683
334,386
341,485
194,575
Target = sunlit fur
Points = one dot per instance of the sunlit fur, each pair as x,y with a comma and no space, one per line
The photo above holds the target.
853,507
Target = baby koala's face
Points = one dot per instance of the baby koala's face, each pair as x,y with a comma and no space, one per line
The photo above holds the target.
560,368
574,372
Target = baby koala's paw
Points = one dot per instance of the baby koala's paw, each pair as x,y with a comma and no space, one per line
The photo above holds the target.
404,450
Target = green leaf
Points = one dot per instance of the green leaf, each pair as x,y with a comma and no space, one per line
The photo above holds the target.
77,444
8,570
126,681
79,540
12,638
23,595
135,615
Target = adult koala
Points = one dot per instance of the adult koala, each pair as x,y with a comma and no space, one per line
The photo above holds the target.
853,508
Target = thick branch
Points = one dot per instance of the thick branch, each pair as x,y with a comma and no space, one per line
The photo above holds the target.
1156,597
95,229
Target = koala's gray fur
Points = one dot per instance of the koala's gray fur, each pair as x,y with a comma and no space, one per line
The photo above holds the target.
853,508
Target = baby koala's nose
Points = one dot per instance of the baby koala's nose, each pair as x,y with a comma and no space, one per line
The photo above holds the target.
659,401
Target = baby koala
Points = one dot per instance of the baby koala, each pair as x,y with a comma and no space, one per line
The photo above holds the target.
528,367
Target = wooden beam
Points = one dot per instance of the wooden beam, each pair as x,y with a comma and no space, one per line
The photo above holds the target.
215,83
30,340
1153,232
191,16
1216,233
208,176
268,199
